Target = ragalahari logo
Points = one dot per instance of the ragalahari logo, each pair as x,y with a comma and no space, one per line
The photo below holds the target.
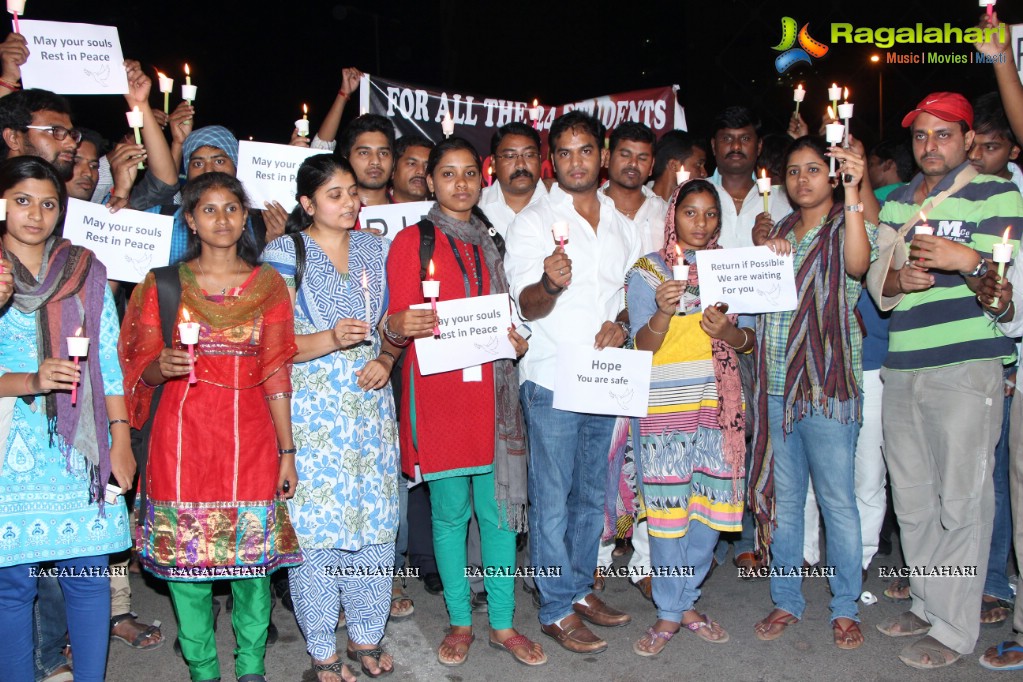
808,49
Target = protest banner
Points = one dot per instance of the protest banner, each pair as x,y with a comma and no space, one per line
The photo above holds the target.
390,219
750,280
416,109
473,331
73,59
268,171
128,242
611,381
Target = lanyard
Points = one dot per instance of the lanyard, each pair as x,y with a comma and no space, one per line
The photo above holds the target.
477,274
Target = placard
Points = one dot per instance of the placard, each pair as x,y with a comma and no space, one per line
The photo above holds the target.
750,279
473,331
611,381
128,242
73,59
268,171
390,219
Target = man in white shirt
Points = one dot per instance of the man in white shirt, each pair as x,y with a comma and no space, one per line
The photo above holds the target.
736,144
515,149
630,160
571,301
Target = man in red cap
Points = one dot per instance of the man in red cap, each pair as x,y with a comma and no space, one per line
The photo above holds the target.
943,379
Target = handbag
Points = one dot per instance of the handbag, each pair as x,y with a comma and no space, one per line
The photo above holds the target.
891,243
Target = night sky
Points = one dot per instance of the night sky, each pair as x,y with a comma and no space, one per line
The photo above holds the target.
255,66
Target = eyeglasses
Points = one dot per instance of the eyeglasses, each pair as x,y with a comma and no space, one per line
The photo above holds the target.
525,156
59,132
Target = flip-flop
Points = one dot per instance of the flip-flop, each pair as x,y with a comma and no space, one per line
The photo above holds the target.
401,614
1001,649
512,642
147,632
337,667
651,638
376,652
698,626
453,639
987,607
933,649
841,633
783,619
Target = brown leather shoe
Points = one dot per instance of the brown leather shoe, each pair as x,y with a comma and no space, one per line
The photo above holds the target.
646,587
599,613
574,636
598,579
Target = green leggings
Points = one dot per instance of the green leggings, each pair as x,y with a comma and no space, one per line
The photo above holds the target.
193,606
451,509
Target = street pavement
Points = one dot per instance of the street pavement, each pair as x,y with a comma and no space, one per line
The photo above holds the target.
804,652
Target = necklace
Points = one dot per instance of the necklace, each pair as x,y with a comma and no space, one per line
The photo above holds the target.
223,291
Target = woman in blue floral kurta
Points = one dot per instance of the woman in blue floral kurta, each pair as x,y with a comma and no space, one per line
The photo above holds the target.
345,509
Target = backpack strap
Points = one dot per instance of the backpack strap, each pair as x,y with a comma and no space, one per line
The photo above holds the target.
296,237
427,241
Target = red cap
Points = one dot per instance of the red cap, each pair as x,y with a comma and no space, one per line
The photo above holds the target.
948,106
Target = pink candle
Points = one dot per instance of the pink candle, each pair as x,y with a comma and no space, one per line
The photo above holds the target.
188,331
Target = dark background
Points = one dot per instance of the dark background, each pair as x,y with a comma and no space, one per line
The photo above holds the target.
254,67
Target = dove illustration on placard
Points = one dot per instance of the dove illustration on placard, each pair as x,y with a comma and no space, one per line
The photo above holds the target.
101,76
770,293
623,399
489,346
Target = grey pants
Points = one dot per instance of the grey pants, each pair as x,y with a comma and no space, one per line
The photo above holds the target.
940,430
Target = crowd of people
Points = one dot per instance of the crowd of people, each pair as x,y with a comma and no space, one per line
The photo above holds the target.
261,402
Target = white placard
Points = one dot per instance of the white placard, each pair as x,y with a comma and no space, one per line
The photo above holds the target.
611,381
73,59
473,331
390,219
1016,45
751,279
128,242
268,171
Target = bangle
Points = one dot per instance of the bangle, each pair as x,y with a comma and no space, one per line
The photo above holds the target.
396,339
342,93
278,396
118,421
287,451
747,341
544,280
389,354
655,331
10,86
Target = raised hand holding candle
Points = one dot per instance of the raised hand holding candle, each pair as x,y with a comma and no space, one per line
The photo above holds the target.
534,114
764,187
560,231
834,92
166,87
431,290
188,332
135,122
833,132
77,348
302,124
188,90
447,126
681,175
16,7
798,95
366,301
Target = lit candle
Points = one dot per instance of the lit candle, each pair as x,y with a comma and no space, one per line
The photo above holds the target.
534,114
560,231
431,290
188,332
447,126
366,302
135,122
303,123
834,92
764,187
1002,253
681,175
166,87
188,90
680,273
798,95
77,348
845,112
923,227
833,132
16,7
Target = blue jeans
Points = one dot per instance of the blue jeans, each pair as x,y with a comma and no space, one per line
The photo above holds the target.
87,602
997,582
822,449
674,595
50,632
567,471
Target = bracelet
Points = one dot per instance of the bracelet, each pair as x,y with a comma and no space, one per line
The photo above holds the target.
625,329
118,421
854,208
747,341
342,93
10,86
544,280
278,396
389,354
396,339
287,451
998,318
655,331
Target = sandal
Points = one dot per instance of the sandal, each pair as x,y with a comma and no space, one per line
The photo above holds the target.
998,652
842,635
146,632
703,627
909,625
650,639
61,674
934,650
398,614
994,608
783,619
336,667
518,640
898,590
454,639
376,652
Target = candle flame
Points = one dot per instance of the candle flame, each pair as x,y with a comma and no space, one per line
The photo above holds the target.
536,102
834,85
799,87
678,251
79,332
305,109
187,72
1005,235
159,75
135,109
430,269
185,316
923,218
845,94
763,172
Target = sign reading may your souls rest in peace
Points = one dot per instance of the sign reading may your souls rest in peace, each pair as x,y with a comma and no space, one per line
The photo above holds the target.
268,171
128,242
750,280
473,331
73,59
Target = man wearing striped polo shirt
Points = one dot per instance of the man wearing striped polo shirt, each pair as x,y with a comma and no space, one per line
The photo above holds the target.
943,382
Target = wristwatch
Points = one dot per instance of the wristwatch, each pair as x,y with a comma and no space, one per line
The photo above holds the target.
854,208
625,328
981,268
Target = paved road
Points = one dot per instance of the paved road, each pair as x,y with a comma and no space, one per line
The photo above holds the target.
804,652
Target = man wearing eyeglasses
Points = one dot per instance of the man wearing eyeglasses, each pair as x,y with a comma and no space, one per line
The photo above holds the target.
38,123
516,157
